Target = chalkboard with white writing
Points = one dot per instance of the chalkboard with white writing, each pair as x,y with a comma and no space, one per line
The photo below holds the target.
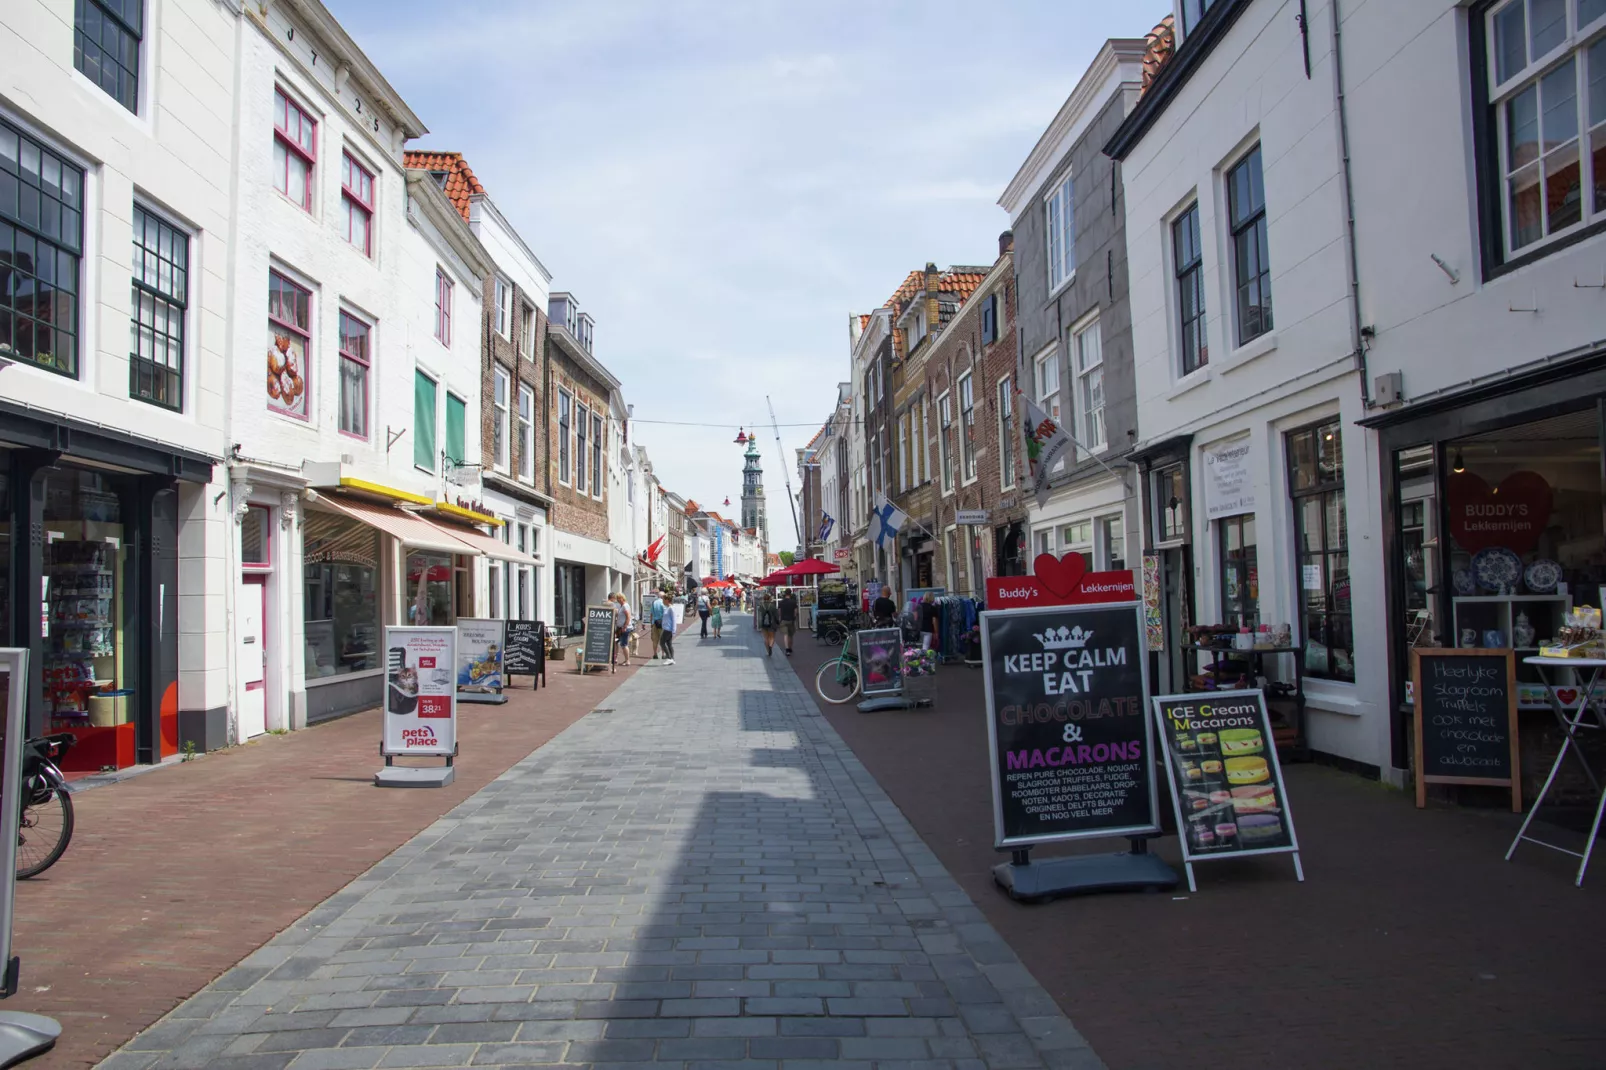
1466,719
598,646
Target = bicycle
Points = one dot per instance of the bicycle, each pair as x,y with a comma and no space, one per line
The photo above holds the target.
46,823
837,681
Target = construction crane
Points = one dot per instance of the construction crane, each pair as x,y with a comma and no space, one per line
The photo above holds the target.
786,474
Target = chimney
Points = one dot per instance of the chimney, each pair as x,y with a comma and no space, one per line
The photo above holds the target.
1006,242
933,309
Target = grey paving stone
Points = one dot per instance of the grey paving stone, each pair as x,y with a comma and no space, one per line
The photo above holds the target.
704,878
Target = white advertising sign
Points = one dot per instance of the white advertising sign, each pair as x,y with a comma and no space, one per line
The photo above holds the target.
420,691
971,516
1228,490
480,643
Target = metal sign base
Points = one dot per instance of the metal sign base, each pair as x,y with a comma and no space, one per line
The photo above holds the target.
412,776
891,702
1134,870
481,698
23,1035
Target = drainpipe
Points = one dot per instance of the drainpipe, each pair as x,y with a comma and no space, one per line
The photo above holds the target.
1357,329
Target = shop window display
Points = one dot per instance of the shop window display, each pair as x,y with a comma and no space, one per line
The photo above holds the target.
84,563
5,558
1321,545
1523,526
1240,572
341,595
429,589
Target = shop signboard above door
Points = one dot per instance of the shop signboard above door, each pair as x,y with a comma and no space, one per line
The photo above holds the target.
1060,581
1228,490
971,516
1512,514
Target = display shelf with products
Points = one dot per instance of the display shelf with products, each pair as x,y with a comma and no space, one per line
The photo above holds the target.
83,632
1516,622
1231,668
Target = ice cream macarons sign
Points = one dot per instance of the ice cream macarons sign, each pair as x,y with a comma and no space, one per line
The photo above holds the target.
1221,760
1072,748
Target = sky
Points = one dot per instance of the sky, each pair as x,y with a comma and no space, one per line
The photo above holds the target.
722,185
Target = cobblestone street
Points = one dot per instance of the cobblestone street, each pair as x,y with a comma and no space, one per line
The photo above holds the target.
698,872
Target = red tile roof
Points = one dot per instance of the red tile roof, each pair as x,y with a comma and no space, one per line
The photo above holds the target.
961,281
460,181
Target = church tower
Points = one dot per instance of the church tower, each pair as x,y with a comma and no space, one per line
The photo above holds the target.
753,493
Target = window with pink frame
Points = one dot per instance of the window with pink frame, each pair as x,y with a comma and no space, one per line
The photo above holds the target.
354,362
256,538
443,308
295,149
289,345
357,200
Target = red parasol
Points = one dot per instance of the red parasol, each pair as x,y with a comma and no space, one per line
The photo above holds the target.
811,566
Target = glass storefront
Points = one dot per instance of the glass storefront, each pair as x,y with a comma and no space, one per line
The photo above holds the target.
5,556
84,614
341,570
429,588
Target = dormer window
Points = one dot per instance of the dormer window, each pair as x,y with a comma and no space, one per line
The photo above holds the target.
916,328
1192,12
440,179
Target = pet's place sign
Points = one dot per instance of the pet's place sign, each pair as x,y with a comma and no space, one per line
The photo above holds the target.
1070,739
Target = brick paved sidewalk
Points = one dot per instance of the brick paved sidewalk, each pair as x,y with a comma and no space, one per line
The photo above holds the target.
1412,943
176,875
700,874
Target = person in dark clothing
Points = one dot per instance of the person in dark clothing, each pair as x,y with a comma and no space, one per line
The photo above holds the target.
884,609
928,621
766,619
788,619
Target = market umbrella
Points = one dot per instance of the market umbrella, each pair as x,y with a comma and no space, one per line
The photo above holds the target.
778,577
810,566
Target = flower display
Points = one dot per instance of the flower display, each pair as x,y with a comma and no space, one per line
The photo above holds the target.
917,662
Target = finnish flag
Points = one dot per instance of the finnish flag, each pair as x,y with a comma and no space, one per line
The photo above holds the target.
887,520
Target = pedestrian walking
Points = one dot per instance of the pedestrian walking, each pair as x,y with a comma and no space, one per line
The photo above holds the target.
928,621
702,612
768,618
622,627
717,619
657,625
788,614
668,631
884,609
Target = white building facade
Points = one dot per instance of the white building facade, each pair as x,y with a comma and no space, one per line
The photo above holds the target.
115,230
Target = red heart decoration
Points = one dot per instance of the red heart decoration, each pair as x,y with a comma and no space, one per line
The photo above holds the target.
1567,695
1512,515
1061,575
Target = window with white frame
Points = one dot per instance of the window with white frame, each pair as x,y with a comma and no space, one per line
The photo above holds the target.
582,430
923,431
41,218
1192,12
1060,228
945,458
1006,434
1188,265
1077,538
1246,216
357,202
904,481
1546,74
1048,383
1112,542
106,39
527,332
596,455
967,426
504,301
160,300
916,331
565,405
1044,541
953,559
989,318
443,307
526,432
1088,346
500,439
295,149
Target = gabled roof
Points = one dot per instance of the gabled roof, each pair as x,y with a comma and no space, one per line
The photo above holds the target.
460,181
960,281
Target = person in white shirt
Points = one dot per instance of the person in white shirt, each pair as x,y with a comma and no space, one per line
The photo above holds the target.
671,619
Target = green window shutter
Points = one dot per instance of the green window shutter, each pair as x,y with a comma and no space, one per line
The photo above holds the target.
456,418
423,421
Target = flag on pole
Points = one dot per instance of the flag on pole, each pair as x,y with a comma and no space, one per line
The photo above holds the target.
826,524
1046,443
887,520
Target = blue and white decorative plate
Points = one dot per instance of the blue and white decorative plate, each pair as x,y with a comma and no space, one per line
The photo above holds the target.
1497,568
1542,576
1464,582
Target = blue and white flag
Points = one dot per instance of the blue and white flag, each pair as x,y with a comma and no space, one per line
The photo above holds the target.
827,522
886,520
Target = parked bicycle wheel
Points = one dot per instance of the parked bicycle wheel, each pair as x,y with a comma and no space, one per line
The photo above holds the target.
46,830
837,681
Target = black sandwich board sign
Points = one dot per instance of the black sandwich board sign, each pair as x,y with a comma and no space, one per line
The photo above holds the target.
597,650
1226,785
1072,745
525,652
1466,719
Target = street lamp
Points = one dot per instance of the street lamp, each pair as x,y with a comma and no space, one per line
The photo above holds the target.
741,440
